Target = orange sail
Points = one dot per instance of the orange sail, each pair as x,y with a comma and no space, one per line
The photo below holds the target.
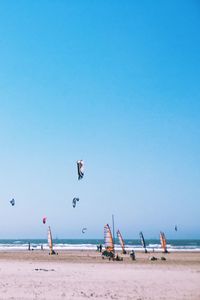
108,239
121,241
163,242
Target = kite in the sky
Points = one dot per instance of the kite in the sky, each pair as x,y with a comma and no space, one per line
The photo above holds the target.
84,230
74,202
80,167
12,202
176,228
44,220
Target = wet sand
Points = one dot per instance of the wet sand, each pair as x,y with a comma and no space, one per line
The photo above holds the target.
85,275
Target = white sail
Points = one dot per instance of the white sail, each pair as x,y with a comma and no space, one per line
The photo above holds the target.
108,239
121,241
50,240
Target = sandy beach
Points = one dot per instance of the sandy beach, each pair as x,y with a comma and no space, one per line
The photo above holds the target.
84,274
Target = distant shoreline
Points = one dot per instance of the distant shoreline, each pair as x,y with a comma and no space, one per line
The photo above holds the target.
91,244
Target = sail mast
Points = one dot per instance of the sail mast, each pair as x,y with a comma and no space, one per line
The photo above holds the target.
113,225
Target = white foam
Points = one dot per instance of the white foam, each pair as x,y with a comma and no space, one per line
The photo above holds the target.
64,246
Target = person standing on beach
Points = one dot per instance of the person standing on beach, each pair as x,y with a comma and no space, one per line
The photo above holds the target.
132,255
100,248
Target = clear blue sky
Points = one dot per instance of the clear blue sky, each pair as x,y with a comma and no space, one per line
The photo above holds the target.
117,84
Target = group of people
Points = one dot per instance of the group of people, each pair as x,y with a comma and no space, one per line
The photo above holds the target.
99,248
29,247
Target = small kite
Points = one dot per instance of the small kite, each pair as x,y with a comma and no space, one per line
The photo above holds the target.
176,228
80,167
84,230
74,202
44,220
12,202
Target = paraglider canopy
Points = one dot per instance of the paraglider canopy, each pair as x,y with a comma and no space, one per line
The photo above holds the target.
12,202
74,202
84,230
80,168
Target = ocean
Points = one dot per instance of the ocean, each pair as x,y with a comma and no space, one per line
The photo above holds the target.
91,244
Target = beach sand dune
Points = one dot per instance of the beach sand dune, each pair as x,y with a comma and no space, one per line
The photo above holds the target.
84,275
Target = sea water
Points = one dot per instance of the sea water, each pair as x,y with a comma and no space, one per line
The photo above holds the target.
91,244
